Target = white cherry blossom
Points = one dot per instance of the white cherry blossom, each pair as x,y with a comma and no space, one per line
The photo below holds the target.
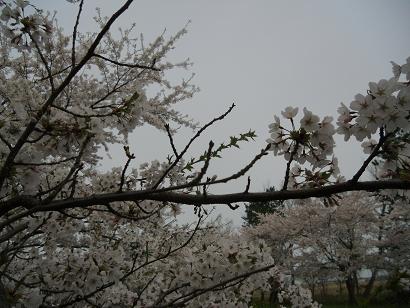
310,121
290,112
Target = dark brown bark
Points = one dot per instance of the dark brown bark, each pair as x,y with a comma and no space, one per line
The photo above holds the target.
370,285
356,282
4,302
350,286
323,284
165,194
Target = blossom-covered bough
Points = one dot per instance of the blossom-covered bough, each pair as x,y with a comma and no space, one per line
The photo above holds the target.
71,235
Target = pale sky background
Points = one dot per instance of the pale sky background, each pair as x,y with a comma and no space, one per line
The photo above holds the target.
264,56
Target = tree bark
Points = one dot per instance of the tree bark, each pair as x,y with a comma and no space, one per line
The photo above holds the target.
4,302
356,282
323,283
350,286
370,284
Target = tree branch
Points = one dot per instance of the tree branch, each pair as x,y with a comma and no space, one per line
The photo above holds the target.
295,150
180,301
171,140
376,149
192,199
145,67
8,162
178,158
130,156
201,174
77,21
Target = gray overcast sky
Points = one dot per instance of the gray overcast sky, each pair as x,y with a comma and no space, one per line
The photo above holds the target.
264,56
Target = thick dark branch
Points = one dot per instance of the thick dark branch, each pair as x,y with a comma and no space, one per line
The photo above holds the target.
184,198
24,201
145,67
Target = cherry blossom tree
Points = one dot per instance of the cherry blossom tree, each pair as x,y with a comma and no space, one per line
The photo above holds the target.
71,235
315,240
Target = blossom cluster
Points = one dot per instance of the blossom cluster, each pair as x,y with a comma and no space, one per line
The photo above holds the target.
117,253
56,115
136,264
93,112
311,142
385,107
315,240
24,25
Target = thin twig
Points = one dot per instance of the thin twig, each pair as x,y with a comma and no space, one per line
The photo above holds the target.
135,269
75,166
130,157
204,168
145,67
178,158
6,142
248,185
180,301
171,140
54,74
43,59
233,207
286,181
374,153
77,21
243,171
